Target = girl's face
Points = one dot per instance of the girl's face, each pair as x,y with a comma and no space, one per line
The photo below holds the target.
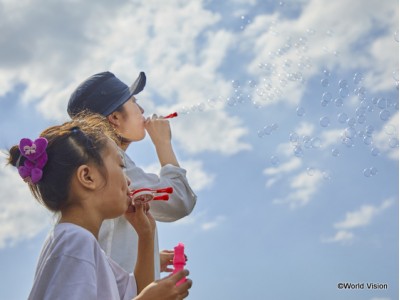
132,125
115,192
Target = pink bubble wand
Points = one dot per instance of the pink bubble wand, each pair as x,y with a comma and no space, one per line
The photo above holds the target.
179,261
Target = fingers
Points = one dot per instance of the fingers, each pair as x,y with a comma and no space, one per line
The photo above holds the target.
178,276
184,287
167,252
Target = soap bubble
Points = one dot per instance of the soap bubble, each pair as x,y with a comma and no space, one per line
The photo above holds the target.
327,96
326,175
361,119
351,121
382,103
244,22
325,82
235,84
348,142
310,171
300,111
367,172
268,130
298,151
307,142
274,160
251,83
367,140
390,129
358,77
293,137
315,142
335,152
350,132
324,121
384,115
361,110
369,129
373,171
342,117
310,31
375,151
231,101
395,75
327,73
338,102
394,142
343,84
344,92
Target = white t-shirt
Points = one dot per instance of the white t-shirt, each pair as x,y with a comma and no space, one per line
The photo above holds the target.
117,236
73,266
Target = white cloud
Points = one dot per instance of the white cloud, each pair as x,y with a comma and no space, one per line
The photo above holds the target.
198,178
214,131
363,216
330,137
213,223
21,217
359,218
293,164
342,236
201,221
302,188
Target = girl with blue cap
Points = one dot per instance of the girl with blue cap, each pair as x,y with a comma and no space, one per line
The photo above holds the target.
105,94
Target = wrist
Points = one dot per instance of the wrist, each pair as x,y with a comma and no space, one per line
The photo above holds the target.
146,235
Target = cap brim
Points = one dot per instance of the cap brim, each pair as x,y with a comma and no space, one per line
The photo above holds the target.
139,84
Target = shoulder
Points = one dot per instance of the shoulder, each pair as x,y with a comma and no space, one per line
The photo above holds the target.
73,241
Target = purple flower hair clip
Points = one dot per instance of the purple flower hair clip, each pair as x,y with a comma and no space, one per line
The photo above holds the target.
35,159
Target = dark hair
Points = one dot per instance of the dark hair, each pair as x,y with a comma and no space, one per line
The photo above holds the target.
70,145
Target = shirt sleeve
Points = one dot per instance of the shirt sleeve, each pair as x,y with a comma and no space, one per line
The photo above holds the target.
66,277
181,202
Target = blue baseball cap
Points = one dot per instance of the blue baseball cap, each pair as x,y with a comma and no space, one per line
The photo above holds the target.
103,93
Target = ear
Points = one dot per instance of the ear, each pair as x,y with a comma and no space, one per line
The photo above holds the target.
114,119
87,176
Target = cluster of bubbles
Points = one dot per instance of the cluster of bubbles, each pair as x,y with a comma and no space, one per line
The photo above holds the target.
300,143
282,70
267,130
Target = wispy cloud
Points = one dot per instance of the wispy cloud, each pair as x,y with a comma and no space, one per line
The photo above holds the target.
360,218
202,221
21,217
302,187
198,178
363,216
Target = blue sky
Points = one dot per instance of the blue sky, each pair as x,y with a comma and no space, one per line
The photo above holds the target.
288,128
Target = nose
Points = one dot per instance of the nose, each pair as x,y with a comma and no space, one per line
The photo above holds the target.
141,108
128,181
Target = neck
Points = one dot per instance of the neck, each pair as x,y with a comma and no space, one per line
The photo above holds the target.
79,216
124,142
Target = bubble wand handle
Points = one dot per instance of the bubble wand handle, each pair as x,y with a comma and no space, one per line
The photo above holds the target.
179,261
170,116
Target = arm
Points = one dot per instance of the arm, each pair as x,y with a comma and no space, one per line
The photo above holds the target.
159,131
181,201
144,225
166,288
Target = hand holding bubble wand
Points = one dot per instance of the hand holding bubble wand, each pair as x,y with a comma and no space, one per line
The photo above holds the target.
145,194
